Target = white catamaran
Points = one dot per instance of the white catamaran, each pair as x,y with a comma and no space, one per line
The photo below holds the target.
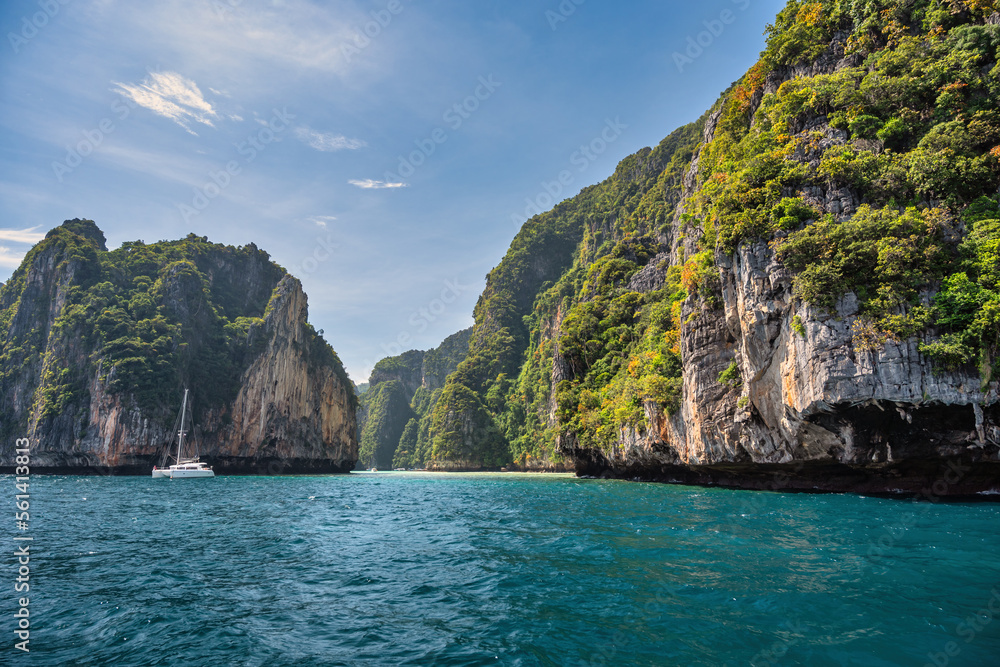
184,468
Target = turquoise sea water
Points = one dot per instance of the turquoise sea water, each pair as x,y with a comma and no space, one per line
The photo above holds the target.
410,568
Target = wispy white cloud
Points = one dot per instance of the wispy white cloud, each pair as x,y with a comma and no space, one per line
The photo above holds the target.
172,96
28,235
10,259
326,142
322,220
369,184
244,45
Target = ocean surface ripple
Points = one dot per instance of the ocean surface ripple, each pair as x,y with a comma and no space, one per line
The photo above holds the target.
485,569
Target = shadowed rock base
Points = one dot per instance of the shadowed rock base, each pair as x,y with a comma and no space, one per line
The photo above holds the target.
927,479
223,465
546,466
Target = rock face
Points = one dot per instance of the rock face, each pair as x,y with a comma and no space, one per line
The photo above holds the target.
811,411
292,405
750,302
395,411
290,410
656,327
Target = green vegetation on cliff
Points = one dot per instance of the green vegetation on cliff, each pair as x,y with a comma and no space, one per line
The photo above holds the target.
864,146
387,408
908,125
396,409
568,269
143,320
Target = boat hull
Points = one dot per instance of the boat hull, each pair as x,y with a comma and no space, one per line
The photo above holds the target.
189,474
167,473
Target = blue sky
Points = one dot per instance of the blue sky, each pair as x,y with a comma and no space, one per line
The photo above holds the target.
384,152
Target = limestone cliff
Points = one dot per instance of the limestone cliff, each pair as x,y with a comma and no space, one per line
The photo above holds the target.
834,416
798,291
811,406
98,345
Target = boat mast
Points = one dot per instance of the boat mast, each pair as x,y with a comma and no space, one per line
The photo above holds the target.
180,433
